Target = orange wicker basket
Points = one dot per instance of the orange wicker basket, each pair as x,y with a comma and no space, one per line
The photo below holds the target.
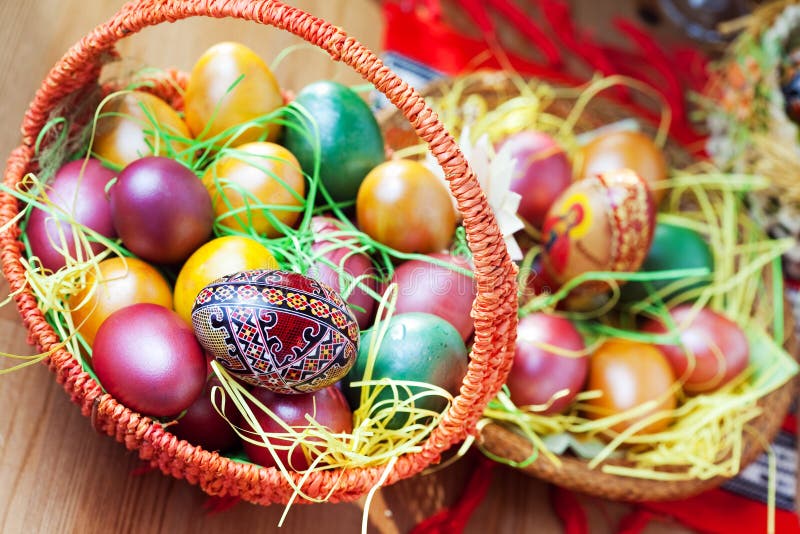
494,311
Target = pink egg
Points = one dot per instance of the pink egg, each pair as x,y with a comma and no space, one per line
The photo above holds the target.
426,287
147,357
79,189
339,252
541,172
711,350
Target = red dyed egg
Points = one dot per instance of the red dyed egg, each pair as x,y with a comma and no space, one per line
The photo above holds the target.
161,210
327,407
541,173
539,371
427,287
279,330
148,359
202,425
339,262
601,223
78,188
711,351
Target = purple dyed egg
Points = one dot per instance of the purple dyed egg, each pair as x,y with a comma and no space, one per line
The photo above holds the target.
161,210
78,188
275,329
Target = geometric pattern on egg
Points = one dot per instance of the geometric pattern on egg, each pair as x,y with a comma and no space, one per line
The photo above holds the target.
276,329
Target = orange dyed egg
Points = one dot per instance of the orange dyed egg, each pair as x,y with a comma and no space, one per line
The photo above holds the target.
625,150
628,374
136,124
259,185
404,205
600,223
118,284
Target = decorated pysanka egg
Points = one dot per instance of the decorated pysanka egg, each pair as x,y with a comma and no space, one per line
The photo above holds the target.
601,223
276,329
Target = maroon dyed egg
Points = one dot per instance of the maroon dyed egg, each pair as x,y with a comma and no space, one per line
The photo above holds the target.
711,350
423,286
78,188
161,210
279,330
147,357
202,424
541,172
326,406
540,370
341,262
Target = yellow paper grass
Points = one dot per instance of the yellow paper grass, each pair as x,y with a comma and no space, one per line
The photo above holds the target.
54,289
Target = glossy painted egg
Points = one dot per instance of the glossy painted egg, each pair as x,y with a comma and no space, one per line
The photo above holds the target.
549,369
417,347
428,287
601,223
276,329
327,407
230,86
136,124
340,264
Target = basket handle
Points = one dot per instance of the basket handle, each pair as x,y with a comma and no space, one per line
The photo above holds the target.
494,310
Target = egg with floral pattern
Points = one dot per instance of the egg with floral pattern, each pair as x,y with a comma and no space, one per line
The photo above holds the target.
275,329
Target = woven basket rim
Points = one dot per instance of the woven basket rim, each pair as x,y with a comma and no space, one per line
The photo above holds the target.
494,310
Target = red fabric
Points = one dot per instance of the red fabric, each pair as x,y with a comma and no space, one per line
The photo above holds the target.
569,510
635,522
422,35
218,505
722,512
454,520
417,29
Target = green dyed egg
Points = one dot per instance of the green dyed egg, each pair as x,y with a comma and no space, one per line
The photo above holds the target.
418,347
674,247
350,140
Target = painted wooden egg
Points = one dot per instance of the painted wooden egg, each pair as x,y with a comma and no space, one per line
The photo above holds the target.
601,223
276,329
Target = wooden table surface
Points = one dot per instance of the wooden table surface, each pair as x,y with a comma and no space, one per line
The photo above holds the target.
56,473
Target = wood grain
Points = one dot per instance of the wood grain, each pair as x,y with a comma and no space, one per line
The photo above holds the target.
56,473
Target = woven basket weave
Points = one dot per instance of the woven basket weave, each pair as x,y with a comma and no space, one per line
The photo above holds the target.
574,473
494,310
